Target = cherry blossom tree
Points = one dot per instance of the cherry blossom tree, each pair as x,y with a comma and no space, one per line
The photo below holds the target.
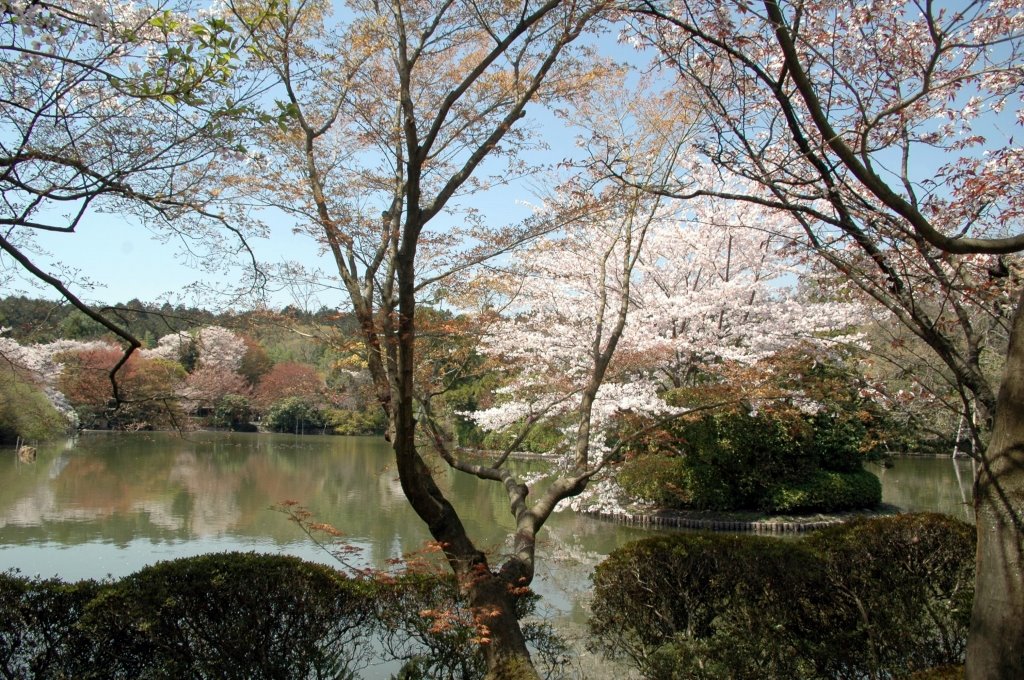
635,310
219,354
886,130
724,283
388,117
116,107
42,364
220,348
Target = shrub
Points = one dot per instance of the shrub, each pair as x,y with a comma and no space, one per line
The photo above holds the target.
778,460
294,414
229,615
26,412
370,421
914,577
826,491
836,442
876,598
657,479
38,637
735,458
244,615
233,411
712,606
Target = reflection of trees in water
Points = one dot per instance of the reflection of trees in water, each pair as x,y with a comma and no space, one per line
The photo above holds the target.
163,487
932,484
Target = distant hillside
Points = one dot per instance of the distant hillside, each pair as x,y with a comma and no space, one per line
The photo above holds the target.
38,321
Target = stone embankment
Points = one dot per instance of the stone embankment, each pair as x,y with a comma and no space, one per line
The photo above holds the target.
665,519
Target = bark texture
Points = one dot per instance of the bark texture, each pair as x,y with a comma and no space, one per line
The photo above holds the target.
995,645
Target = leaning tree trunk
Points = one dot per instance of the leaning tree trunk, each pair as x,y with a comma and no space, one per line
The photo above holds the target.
489,596
995,644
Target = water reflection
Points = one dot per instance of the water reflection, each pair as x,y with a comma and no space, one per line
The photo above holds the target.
938,484
110,503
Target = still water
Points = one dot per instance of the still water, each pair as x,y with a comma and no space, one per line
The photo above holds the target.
110,503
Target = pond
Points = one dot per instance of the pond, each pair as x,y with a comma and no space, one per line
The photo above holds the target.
110,503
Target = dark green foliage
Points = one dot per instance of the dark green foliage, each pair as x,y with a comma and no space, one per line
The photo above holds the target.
773,461
657,479
913,577
825,491
734,459
712,606
231,615
940,673
34,321
244,615
295,415
233,411
837,442
38,635
876,598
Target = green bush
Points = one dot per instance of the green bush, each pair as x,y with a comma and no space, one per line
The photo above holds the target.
294,415
657,479
712,606
244,615
913,575
876,598
229,615
233,411
778,460
735,458
38,635
25,411
825,491
370,421
836,442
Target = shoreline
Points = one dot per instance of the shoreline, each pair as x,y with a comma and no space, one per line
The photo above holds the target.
755,523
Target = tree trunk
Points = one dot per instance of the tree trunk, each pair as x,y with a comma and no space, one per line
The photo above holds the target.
501,635
488,595
995,644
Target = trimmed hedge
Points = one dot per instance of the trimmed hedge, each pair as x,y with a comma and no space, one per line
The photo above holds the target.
38,633
245,615
876,598
825,491
771,461
229,615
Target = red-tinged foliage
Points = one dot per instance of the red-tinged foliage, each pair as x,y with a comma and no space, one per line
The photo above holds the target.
289,379
256,363
148,389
